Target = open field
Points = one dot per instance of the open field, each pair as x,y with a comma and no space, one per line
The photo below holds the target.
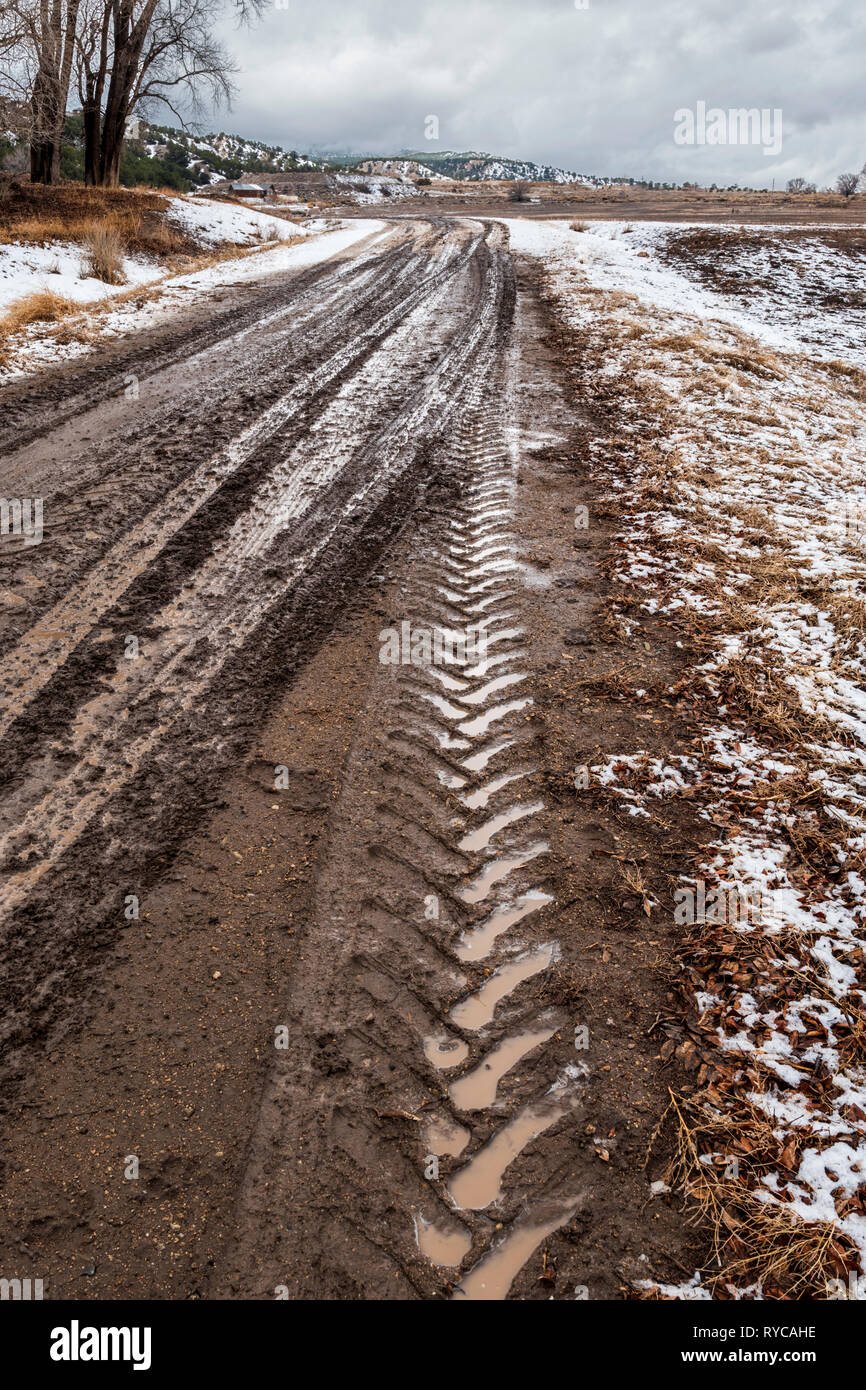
641,204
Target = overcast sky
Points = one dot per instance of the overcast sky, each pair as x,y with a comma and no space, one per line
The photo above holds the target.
591,89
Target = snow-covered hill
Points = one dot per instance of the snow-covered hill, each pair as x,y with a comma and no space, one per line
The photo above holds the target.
215,157
476,165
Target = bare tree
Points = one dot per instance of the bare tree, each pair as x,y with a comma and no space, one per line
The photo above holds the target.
162,50
40,37
92,73
182,65
799,185
519,192
126,54
847,184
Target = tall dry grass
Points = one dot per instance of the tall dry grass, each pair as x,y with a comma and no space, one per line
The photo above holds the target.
104,246
42,307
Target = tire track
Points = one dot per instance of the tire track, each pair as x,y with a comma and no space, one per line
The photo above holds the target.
30,666
442,1064
172,677
114,760
478,725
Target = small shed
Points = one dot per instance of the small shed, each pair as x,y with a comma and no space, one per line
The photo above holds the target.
250,190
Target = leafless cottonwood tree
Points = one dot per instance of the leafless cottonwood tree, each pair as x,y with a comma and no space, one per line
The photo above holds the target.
847,184
125,55
91,67
137,54
37,48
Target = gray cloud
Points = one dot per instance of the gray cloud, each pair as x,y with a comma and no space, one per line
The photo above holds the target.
593,90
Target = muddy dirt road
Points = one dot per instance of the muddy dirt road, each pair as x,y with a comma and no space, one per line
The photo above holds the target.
317,976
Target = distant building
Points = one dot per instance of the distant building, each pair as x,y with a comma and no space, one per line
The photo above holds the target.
250,190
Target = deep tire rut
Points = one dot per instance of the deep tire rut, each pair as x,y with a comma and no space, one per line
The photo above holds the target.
427,1060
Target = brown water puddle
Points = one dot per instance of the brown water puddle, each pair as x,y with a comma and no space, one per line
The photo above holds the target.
477,1011
443,1136
445,1248
478,889
477,1089
479,760
477,799
493,1277
443,1052
476,728
478,1183
479,942
477,840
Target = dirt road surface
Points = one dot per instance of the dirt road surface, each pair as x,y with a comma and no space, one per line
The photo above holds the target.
319,973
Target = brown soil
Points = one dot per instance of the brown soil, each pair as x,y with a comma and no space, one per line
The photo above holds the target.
408,387
39,213
638,204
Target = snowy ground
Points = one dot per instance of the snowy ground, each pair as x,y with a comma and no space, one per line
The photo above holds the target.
59,266
737,453
163,296
629,257
24,270
211,222
367,189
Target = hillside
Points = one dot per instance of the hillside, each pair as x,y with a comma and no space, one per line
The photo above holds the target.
476,166
165,157
214,157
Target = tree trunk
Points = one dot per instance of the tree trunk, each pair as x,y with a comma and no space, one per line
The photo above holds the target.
113,127
43,116
129,37
112,148
91,86
91,143
51,87
41,161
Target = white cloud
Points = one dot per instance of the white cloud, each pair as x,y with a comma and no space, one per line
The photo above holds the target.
593,90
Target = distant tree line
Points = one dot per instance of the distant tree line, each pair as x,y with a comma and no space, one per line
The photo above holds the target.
846,184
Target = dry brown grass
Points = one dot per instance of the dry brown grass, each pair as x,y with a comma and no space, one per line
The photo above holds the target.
765,697
80,322
164,240
748,358
66,212
717,471
42,307
848,616
752,1239
104,248
40,228
855,376
135,231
